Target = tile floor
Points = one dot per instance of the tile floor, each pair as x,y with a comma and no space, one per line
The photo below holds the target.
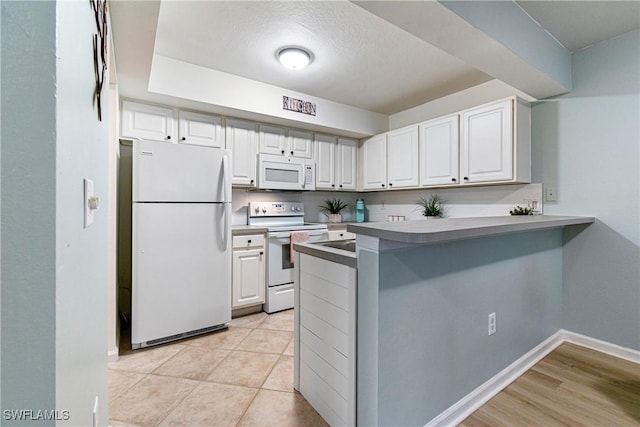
239,377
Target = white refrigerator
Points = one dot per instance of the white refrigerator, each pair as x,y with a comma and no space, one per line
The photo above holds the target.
181,241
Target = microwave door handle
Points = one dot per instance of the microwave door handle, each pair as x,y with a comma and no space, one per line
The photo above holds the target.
302,176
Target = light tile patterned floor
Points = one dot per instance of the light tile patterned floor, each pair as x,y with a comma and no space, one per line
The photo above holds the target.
239,377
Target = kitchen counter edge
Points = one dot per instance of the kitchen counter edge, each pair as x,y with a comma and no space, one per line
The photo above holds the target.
330,254
431,231
243,230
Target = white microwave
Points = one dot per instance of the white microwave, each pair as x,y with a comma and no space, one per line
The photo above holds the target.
285,173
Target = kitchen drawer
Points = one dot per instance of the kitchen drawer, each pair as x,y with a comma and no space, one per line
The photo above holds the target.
341,235
248,241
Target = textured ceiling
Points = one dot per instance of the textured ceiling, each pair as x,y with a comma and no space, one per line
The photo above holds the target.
359,59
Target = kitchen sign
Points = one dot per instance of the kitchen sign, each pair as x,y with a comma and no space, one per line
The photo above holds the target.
298,105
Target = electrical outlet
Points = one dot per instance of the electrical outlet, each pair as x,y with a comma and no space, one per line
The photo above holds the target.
492,323
550,194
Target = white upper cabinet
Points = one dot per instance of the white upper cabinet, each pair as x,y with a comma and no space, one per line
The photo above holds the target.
272,139
336,162
148,122
439,142
243,142
486,149
346,164
402,157
300,144
374,163
200,129
285,142
325,149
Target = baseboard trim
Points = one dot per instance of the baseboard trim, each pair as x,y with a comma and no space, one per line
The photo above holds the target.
601,346
456,413
113,354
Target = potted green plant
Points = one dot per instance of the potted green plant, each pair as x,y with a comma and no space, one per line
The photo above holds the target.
432,206
332,208
521,211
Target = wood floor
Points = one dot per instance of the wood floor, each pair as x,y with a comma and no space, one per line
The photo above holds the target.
572,386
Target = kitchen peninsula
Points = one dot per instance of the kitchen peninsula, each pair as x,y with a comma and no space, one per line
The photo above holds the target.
425,291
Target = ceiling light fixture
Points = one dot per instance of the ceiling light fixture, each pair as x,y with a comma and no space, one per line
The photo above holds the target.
294,58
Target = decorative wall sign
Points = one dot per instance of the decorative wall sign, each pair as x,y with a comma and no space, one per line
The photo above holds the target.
298,105
100,50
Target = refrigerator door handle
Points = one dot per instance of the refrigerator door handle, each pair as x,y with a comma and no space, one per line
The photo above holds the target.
226,174
225,234
226,185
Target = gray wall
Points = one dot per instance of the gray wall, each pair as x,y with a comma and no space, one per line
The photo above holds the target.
586,144
432,320
28,205
54,322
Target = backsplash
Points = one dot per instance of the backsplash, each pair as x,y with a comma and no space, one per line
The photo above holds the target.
458,202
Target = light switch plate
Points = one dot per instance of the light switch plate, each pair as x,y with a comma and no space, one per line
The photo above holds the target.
88,212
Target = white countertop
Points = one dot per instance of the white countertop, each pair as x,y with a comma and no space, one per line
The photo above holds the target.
450,229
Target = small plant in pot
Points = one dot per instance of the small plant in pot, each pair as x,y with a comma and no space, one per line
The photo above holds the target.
432,206
332,208
521,211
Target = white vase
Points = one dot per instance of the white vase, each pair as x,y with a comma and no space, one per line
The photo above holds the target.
335,218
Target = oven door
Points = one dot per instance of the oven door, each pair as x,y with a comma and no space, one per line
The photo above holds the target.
280,268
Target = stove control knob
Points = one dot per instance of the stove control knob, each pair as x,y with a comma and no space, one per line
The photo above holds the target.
293,208
264,210
298,209
257,209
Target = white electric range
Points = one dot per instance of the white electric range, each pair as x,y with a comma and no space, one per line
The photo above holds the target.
280,219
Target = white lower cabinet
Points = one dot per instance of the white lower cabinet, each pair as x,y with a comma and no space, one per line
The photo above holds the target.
248,274
325,338
341,235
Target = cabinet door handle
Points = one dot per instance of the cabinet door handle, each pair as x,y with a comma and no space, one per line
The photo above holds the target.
261,253
340,185
453,179
169,137
341,235
390,184
251,181
184,138
333,185
383,185
466,178
282,151
291,153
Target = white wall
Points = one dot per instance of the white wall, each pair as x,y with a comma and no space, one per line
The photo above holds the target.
468,98
227,90
586,144
54,272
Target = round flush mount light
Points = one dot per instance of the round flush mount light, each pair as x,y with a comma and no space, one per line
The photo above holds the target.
294,58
